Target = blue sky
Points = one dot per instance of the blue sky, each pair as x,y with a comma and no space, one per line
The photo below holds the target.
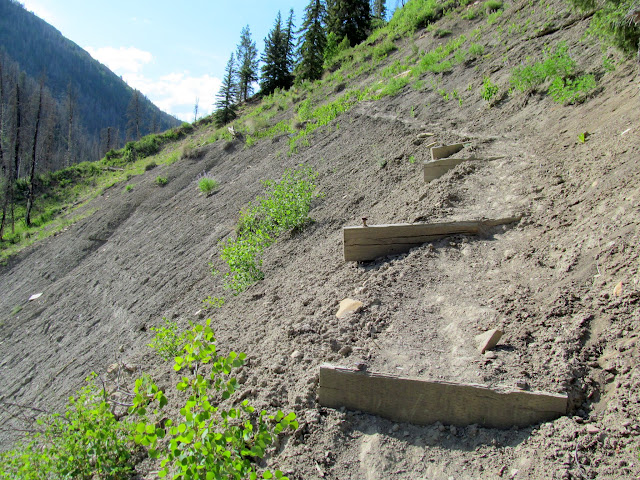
173,51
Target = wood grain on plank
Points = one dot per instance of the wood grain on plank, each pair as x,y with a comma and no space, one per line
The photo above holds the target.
367,243
425,402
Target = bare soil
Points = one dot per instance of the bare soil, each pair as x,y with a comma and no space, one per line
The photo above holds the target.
547,281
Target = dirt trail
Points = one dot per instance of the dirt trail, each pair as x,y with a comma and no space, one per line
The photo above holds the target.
546,280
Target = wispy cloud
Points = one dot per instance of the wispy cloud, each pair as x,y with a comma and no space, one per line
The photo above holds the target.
41,11
121,60
174,93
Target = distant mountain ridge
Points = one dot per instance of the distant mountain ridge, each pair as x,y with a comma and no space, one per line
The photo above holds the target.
102,96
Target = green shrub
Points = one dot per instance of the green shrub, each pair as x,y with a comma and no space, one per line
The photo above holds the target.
208,441
568,91
284,206
493,5
489,89
150,166
161,181
556,63
611,22
167,342
85,442
207,185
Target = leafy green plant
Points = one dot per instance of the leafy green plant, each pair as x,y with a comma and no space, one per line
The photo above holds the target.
412,159
489,89
582,137
167,342
207,185
568,91
209,441
128,188
213,302
612,23
556,63
85,442
161,181
284,206
493,5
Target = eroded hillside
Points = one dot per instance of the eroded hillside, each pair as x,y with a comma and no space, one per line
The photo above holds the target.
562,282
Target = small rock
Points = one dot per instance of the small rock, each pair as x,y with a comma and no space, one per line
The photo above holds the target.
617,290
522,384
200,314
453,430
395,427
347,306
490,355
297,355
592,430
35,296
346,350
121,348
361,366
487,340
278,369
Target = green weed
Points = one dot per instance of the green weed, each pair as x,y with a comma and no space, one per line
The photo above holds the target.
284,206
208,440
167,342
161,181
87,441
207,185
489,89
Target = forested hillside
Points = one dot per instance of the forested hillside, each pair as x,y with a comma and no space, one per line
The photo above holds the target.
101,96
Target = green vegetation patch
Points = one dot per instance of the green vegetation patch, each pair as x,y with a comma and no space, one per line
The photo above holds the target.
559,68
284,206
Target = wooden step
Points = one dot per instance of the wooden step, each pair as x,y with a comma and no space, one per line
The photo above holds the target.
425,402
368,243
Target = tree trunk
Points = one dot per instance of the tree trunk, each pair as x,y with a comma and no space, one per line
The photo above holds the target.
33,157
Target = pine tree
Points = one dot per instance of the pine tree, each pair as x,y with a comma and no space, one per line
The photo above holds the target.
278,57
350,19
247,57
379,9
312,42
226,107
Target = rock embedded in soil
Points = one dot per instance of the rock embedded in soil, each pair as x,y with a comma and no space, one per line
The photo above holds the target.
347,306
487,340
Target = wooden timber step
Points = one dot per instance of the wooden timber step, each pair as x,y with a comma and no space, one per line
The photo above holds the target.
440,162
425,402
368,243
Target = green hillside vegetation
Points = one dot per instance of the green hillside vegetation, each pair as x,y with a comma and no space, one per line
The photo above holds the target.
299,111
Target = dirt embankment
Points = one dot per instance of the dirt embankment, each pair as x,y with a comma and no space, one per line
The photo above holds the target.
549,281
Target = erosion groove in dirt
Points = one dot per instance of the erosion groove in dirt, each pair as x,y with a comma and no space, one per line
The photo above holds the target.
547,281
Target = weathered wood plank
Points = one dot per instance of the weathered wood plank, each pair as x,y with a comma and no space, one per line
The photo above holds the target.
445,151
436,168
424,402
367,243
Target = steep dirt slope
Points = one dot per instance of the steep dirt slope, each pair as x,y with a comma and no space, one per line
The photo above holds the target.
547,280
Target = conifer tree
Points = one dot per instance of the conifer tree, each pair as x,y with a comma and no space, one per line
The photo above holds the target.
349,18
313,42
379,9
278,57
226,106
247,57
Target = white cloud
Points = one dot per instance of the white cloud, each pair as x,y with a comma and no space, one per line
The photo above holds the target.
174,93
40,10
121,60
